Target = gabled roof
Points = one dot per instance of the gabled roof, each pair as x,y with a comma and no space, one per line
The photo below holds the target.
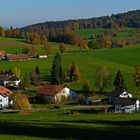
5,92
17,57
50,90
7,77
125,101
115,93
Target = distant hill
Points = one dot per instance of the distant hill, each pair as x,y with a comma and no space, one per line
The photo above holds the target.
54,29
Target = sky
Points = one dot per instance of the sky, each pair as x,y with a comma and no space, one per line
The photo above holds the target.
19,13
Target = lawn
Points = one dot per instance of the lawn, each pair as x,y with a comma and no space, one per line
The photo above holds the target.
60,125
124,59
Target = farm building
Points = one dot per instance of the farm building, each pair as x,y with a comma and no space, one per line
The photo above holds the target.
5,97
116,45
17,57
128,105
9,80
42,56
56,92
114,94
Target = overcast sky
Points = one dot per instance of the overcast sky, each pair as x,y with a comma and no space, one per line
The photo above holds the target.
18,13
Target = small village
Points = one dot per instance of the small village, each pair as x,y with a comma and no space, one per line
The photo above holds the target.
69,70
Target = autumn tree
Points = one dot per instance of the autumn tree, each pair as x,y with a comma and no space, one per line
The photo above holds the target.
75,25
21,102
16,72
44,39
86,90
102,78
48,48
62,48
57,73
35,39
83,44
119,81
106,40
35,51
115,26
72,72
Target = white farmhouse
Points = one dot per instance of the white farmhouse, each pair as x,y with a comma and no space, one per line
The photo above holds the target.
56,92
126,105
5,100
9,80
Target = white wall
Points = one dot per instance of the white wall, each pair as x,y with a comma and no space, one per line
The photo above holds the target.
4,102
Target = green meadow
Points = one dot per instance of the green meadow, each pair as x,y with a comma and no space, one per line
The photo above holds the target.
124,59
59,124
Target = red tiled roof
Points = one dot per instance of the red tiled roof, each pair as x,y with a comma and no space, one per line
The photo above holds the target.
50,90
5,92
2,52
17,57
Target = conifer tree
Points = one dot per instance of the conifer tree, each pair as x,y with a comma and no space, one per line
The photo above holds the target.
119,81
57,73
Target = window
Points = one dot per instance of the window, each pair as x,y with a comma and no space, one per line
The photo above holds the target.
0,100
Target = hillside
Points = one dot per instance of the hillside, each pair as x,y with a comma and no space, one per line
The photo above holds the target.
124,59
54,29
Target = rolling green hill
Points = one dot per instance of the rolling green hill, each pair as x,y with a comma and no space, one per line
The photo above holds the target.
124,59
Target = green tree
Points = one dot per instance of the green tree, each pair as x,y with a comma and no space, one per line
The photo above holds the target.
37,69
25,50
34,77
86,89
102,78
72,72
119,81
93,44
1,31
25,82
57,73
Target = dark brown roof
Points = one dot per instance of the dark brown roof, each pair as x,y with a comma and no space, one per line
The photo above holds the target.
5,92
8,78
17,57
50,90
115,93
125,101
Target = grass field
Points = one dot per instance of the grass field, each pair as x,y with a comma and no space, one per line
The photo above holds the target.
124,32
60,125
124,59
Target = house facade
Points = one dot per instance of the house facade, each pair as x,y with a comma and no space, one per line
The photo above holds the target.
56,92
127,105
5,97
9,80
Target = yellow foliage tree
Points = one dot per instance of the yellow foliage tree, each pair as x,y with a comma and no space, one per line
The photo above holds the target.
21,102
16,72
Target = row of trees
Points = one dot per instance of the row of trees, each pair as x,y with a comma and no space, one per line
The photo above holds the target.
103,80
54,29
58,75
